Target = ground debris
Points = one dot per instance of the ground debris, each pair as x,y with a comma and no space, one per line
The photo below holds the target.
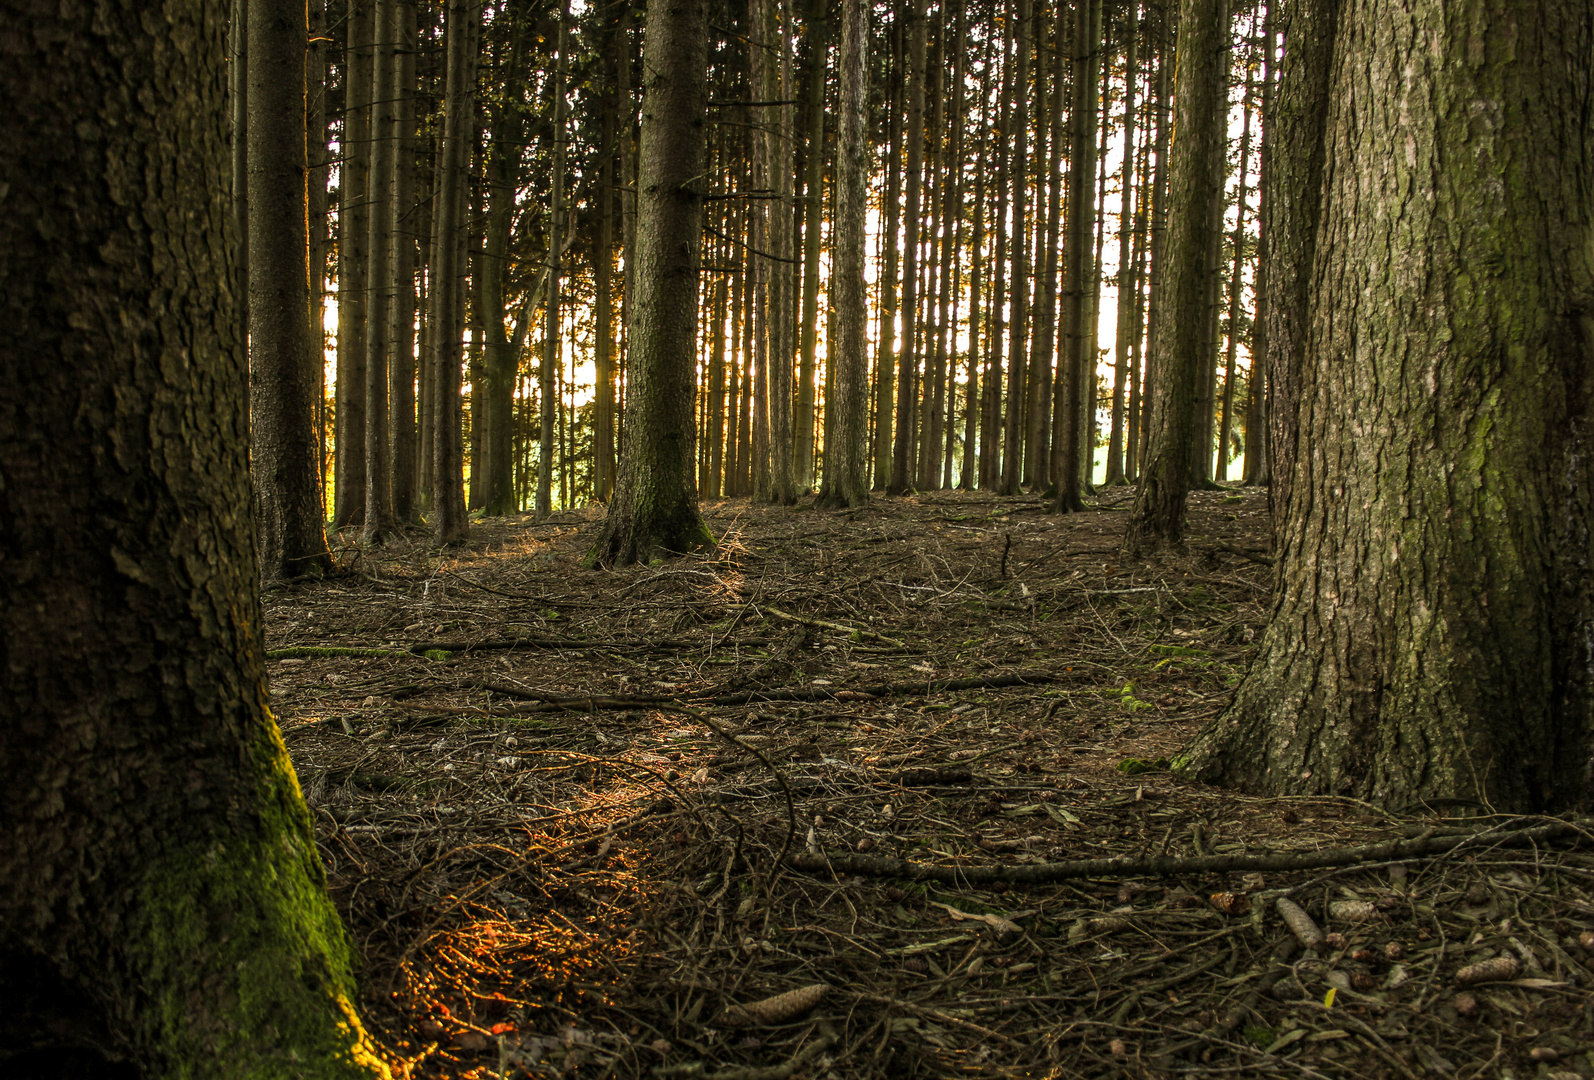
553,803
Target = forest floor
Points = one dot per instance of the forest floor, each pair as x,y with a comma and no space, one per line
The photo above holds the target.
585,823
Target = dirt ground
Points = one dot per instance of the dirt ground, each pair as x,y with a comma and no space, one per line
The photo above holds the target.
587,823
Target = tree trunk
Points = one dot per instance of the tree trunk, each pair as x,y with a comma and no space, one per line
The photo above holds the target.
813,232
846,453
1078,367
401,270
655,511
551,307
379,282
903,441
1122,373
354,228
1257,456
885,346
991,410
1158,229
603,265
283,371
450,522
1043,345
1220,469
1430,634
1018,299
162,903
1182,319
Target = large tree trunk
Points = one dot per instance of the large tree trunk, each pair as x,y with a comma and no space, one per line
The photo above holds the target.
655,511
284,373
162,903
1182,318
1430,633
846,452
449,520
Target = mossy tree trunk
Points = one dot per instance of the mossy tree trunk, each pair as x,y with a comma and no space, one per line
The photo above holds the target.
655,513
284,373
846,452
161,898
1430,633
1181,320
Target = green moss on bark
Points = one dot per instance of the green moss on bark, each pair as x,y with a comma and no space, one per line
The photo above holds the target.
248,969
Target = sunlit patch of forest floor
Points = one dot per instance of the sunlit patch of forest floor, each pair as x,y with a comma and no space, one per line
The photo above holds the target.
553,864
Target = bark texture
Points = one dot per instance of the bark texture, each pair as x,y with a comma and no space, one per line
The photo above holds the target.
846,452
1181,320
284,372
654,513
1431,633
161,898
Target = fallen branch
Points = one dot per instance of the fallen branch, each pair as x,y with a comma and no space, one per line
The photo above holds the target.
1166,865
822,624
812,693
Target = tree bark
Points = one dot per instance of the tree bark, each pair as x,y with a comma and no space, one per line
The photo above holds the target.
450,522
284,373
885,346
813,232
655,511
401,270
353,236
1182,319
1430,634
1258,468
379,278
1122,373
846,481
903,441
1078,365
162,903
1018,292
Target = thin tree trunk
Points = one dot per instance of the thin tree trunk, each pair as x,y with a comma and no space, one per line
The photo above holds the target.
354,229
283,370
655,511
907,362
450,523
379,279
1122,373
885,347
813,231
1158,227
1077,370
1236,285
991,431
1018,301
551,307
1043,344
846,481
1257,456
1181,326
